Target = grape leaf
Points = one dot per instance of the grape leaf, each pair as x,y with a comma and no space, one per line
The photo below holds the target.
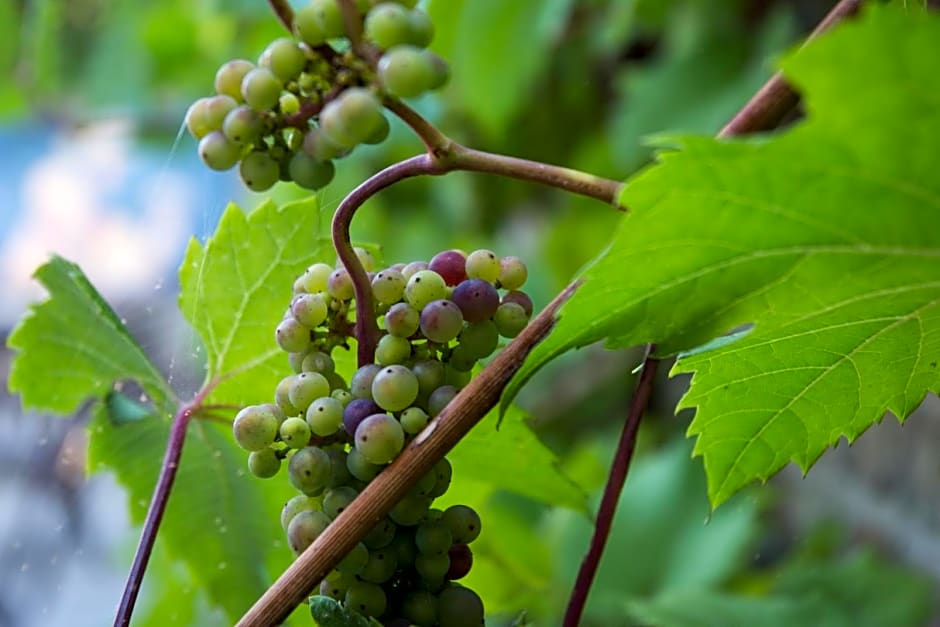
824,237
327,612
72,347
235,288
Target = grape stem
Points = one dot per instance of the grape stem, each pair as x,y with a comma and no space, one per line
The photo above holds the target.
765,110
161,495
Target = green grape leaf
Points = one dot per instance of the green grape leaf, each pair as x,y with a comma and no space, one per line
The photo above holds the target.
823,237
234,290
514,459
72,347
327,612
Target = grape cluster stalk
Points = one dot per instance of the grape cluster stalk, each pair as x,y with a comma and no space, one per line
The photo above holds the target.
437,320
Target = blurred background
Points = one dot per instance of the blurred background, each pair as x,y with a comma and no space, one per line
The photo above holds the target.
95,166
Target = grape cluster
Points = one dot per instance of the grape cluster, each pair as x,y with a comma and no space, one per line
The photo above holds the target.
310,99
437,320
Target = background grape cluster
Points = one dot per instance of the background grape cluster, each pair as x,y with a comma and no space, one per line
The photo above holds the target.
437,320
312,99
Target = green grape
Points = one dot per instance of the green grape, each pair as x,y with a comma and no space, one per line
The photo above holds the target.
461,359
380,567
295,505
196,122
365,258
381,535
463,522
441,321
512,273
310,173
285,58
309,470
304,528
430,374
282,396
325,416
228,78
307,26
310,310
216,108
261,89
394,388
432,567
406,71
343,396
352,117
422,29
423,287
243,125
510,319
360,386
366,598
433,538
259,171
264,464
413,420
410,511
217,152
443,471
388,24
289,104
380,134
441,70
456,378
402,320
315,278
296,361
295,432
420,608
329,17
361,468
403,544
440,398
425,485
483,264
388,286
319,146
292,336
354,561
340,285
335,500
479,339
336,588
306,388
379,438
459,607
392,350
339,474
255,427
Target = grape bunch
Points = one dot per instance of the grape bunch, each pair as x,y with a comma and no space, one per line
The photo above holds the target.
437,319
312,99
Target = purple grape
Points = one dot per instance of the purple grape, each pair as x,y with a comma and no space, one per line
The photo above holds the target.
477,300
358,410
450,264
441,321
461,561
520,298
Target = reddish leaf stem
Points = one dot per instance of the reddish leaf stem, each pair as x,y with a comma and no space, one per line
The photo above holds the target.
284,13
161,495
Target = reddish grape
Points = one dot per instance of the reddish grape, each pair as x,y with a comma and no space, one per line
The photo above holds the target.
477,299
451,265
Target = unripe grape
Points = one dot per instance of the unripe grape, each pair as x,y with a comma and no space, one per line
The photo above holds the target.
443,472
285,58
388,286
352,117
259,171
392,350
411,510
216,108
307,387
479,339
512,273
354,561
325,416
441,70
380,567
304,528
337,499
310,173
365,258
292,336
394,388
319,146
339,473
461,359
388,24
264,464
459,607
430,374
413,420
366,598
307,26
483,264
282,396
217,152
463,522
412,268
295,432
329,17
441,321
310,310
340,285
456,378
432,567
433,538
228,78
255,427
314,278
380,134
243,125
402,320
361,384
510,319
343,396
309,470
289,104
520,298
261,89
451,265
440,398
423,287
336,589
361,468
422,29
196,122
379,438
420,608
404,546
406,71
295,505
